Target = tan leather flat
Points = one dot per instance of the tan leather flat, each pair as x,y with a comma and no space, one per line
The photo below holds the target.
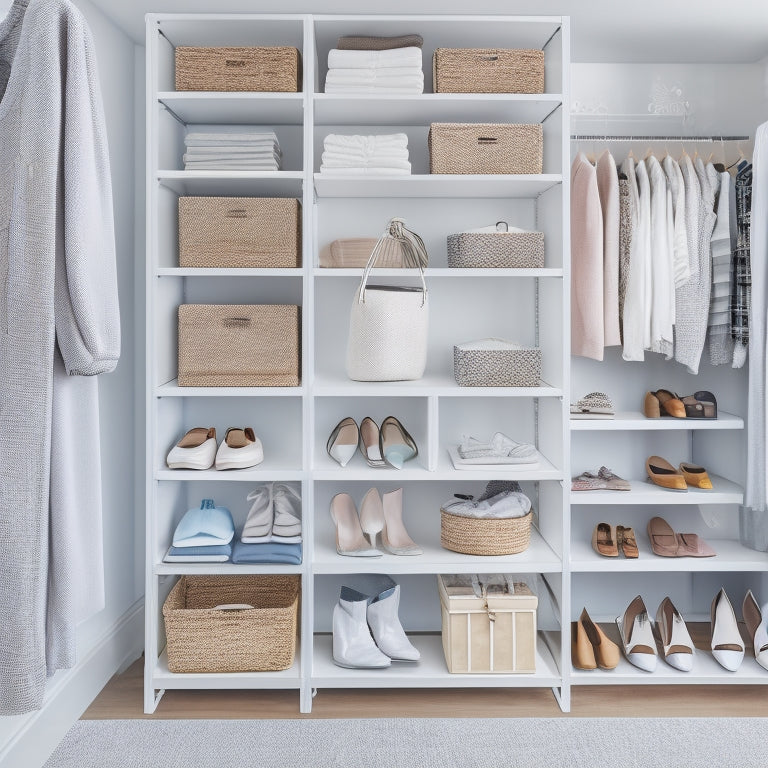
627,541
606,652
663,539
604,540
663,474
695,476
582,653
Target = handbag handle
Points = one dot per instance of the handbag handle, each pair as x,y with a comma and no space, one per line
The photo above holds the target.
414,254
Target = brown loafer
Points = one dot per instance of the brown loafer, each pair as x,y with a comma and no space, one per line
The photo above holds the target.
604,540
661,472
666,404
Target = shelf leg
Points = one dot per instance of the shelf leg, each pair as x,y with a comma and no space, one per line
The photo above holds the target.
151,700
305,704
563,697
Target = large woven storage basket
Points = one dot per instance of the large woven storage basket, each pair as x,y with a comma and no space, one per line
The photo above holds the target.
486,148
487,70
474,536
256,232
496,363
239,345
510,250
267,68
204,639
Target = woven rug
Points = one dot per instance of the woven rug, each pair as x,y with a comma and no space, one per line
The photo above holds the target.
417,743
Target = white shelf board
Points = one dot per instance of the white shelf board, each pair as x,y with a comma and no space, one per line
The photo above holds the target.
265,472
429,672
430,384
432,272
172,389
217,183
426,108
232,108
645,492
538,558
226,272
222,569
635,420
731,556
521,472
705,671
436,185
162,677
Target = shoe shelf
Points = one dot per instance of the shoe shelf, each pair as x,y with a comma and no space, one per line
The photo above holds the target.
545,470
163,678
222,569
437,185
230,108
426,108
645,492
265,472
731,556
538,558
218,183
429,672
635,420
172,389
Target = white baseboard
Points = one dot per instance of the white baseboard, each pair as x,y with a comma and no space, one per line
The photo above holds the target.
71,692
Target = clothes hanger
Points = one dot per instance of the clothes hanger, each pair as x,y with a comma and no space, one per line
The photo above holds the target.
739,158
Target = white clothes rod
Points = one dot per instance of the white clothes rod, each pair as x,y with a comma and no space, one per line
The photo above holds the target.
702,139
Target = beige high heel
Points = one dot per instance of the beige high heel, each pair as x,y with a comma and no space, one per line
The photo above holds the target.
342,443
394,537
372,515
369,443
349,535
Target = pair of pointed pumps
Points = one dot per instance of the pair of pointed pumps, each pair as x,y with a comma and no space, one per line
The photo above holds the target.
378,515
367,633
388,446
727,645
679,478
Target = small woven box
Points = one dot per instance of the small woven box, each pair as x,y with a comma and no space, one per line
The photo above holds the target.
486,148
487,70
496,363
205,638
503,250
262,69
484,536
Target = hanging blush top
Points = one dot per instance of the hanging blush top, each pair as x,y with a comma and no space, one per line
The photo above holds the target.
608,186
587,325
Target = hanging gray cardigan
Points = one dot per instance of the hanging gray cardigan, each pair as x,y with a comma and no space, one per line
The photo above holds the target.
57,284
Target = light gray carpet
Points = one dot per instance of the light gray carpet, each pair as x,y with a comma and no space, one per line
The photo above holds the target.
417,743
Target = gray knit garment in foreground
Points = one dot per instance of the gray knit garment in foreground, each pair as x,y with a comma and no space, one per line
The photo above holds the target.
567,742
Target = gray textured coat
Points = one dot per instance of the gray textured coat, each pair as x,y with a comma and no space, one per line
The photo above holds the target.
57,284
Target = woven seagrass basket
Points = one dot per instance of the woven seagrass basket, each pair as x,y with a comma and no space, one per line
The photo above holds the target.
486,148
473,536
204,639
267,68
509,250
487,70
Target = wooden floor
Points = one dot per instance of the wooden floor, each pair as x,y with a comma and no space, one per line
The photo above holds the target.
123,699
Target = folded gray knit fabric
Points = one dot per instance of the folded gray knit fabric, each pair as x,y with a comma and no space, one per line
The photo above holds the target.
365,43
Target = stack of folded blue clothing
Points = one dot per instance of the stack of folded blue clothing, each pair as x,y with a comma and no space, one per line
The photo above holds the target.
272,531
204,535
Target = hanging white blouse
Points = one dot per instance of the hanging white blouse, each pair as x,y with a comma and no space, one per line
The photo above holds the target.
677,188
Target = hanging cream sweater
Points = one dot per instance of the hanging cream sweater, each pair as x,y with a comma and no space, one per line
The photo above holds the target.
608,187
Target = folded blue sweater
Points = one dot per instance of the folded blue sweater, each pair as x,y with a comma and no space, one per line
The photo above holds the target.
289,554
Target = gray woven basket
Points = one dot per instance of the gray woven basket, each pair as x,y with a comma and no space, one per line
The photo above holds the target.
496,363
511,250
258,639
487,70
256,232
486,148
476,536
262,69
239,345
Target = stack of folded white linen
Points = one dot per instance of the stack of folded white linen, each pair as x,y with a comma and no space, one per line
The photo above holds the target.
384,155
392,71
232,148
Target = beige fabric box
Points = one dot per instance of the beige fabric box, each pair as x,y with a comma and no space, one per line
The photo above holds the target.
489,624
487,70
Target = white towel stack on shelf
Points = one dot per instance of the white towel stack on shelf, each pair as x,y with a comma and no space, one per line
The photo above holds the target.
384,155
232,148
393,71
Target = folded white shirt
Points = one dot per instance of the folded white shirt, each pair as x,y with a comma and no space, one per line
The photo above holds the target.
380,90
394,57
379,154
367,144
372,75
502,506
234,149
232,132
365,171
367,163
231,167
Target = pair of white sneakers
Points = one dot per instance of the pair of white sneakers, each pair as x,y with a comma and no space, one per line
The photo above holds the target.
239,449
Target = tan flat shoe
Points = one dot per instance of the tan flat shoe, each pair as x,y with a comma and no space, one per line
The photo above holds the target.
582,653
663,539
695,476
663,403
627,541
606,652
604,540
661,472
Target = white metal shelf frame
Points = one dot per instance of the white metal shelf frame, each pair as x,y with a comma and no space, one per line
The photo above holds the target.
311,109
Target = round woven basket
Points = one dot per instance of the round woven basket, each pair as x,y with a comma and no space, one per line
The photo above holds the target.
473,536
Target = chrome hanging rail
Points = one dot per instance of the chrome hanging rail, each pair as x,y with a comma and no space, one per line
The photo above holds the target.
633,137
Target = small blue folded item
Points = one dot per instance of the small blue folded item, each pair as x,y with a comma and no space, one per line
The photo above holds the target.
289,554
207,554
208,525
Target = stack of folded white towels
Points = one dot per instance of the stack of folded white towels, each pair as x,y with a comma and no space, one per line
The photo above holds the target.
384,155
391,71
232,148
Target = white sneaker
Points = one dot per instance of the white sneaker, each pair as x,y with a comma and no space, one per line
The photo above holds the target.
239,449
287,506
196,450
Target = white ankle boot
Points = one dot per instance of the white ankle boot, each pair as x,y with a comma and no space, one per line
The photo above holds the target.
387,629
353,645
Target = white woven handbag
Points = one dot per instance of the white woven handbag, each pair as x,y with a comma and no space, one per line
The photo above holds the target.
388,324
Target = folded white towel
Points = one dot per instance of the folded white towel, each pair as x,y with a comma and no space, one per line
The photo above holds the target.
394,57
231,132
232,159
231,167
365,171
395,154
372,75
371,163
247,149
379,90
367,143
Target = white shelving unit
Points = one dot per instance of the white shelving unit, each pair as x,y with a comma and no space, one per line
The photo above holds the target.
294,423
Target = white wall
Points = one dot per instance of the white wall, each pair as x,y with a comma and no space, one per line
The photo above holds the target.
124,571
